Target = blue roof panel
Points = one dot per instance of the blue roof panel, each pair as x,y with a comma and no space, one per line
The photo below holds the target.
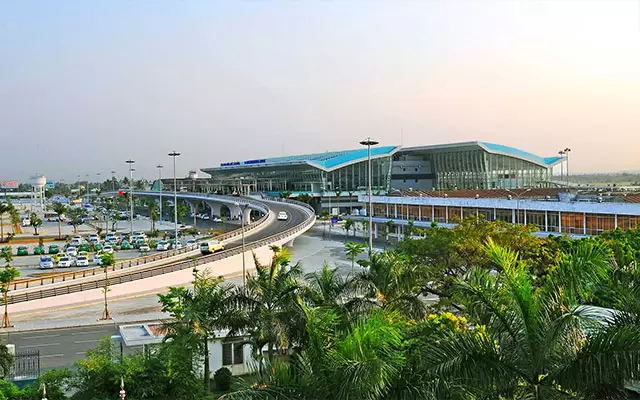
520,153
327,160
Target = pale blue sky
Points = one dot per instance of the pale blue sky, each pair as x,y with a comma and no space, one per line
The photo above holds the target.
85,85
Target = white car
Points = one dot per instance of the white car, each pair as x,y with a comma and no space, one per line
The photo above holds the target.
82,261
64,262
75,242
144,248
191,242
108,249
217,219
162,246
282,216
26,221
206,217
77,237
71,251
46,262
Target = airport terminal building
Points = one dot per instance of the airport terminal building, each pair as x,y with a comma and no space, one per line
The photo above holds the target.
468,165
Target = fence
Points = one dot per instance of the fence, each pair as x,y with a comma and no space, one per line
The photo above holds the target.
26,366
160,269
69,276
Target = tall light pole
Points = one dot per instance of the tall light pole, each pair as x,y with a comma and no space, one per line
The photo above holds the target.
370,142
86,189
159,166
244,270
561,153
113,180
566,152
518,203
131,162
175,154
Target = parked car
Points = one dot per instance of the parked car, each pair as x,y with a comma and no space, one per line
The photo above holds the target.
108,249
46,262
125,245
191,242
206,217
162,246
138,243
71,251
282,216
64,262
176,245
98,246
22,251
54,249
144,248
82,261
38,250
75,242
84,247
217,219
26,221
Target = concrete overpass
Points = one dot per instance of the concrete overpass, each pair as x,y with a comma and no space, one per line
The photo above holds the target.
133,277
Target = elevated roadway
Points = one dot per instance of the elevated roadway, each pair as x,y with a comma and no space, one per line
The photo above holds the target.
145,277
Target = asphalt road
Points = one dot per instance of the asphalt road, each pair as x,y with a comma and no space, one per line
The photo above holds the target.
61,347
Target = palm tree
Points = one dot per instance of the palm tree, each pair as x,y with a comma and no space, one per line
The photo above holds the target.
35,222
348,224
271,313
538,343
75,217
4,208
197,313
360,361
353,250
392,283
153,209
14,216
59,209
7,275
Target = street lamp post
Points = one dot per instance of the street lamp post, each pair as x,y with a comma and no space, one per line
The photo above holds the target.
370,142
86,189
566,152
175,154
113,180
131,162
159,166
518,203
244,270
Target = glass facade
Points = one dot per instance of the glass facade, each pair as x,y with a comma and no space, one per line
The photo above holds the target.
577,223
476,168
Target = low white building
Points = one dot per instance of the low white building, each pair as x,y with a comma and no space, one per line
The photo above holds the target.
232,354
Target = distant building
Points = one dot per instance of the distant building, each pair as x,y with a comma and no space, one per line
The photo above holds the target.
345,174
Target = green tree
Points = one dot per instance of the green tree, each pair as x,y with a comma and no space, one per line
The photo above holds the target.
107,260
7,275
153,209
353,250
36,222
59,209
359,362
6,361
538,343
348,224
4,209
198,313
391,282
271,315
75,215
14,216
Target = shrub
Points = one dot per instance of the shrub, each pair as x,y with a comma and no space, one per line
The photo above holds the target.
222,378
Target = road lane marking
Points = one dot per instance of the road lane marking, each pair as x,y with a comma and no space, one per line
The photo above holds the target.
39,345
88,333
52,355
39,337
81,353
86,341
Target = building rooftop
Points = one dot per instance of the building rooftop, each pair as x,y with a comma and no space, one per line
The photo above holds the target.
327,160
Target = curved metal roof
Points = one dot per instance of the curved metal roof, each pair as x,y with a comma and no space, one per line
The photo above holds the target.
326,161
513,152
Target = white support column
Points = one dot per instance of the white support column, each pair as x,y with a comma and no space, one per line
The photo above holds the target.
433,213
546,221
559,222
419,213
584,223
375,231
513,215
395,211
615,221
525,217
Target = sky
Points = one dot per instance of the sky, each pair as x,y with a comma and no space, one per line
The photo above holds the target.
87,85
